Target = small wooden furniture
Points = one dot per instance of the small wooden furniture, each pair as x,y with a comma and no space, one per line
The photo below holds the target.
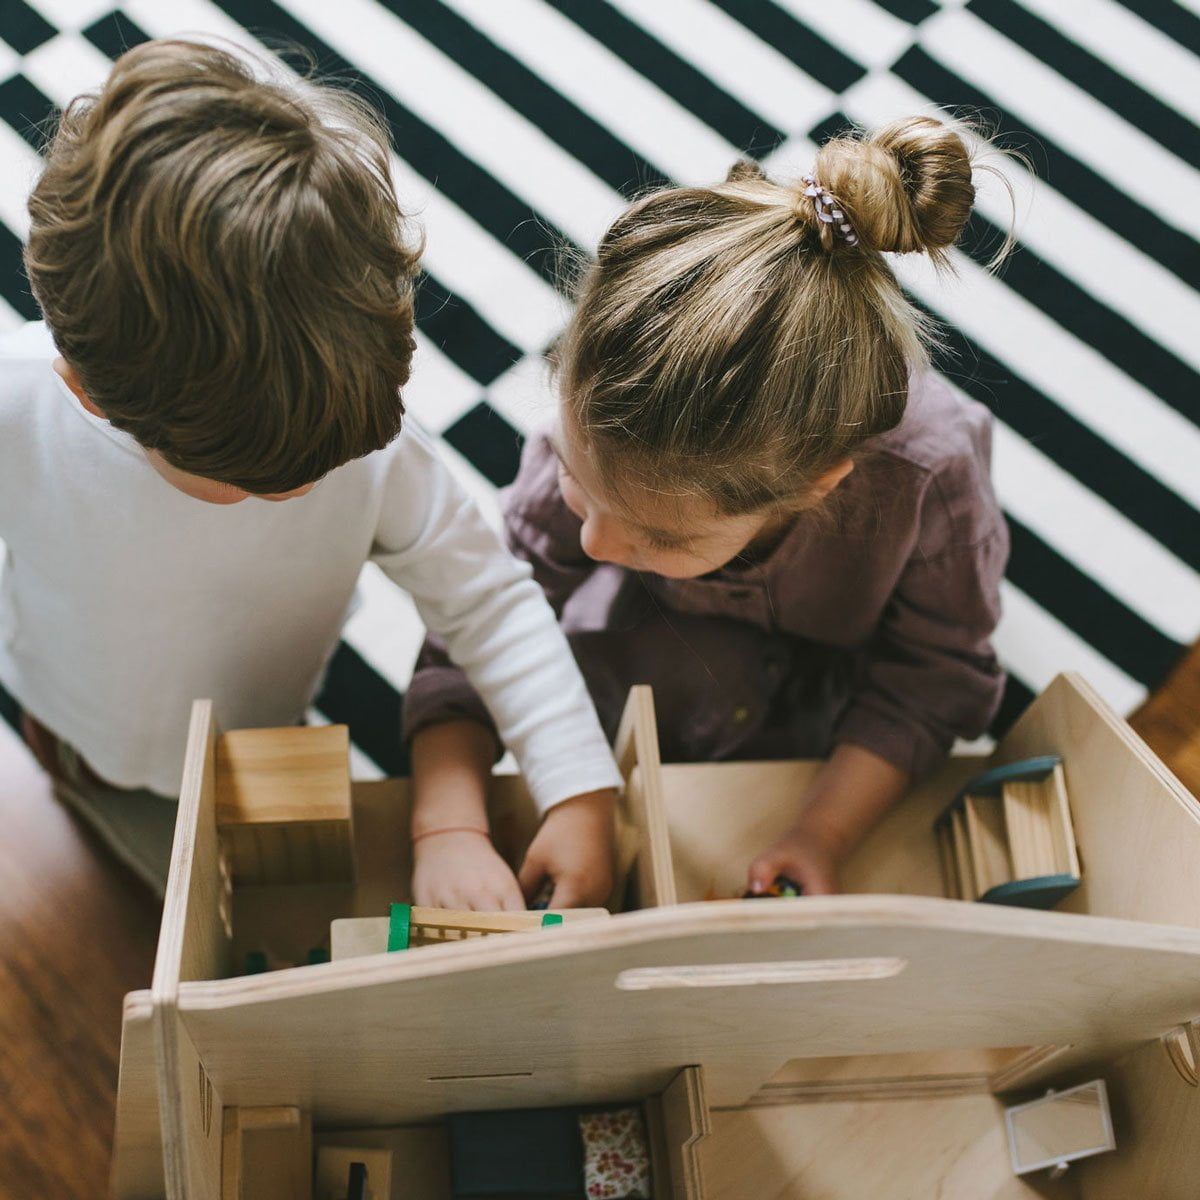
283,804
1008,837
843,1046
266,1154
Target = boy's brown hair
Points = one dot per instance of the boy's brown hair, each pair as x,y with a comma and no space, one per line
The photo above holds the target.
223,261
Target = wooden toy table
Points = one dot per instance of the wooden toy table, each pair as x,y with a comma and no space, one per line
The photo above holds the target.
847,1046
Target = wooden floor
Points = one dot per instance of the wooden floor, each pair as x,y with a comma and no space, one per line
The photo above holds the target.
76,933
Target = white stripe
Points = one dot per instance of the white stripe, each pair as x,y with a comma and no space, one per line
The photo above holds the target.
1120,153
385,628
22,166
9,319
65,66
1062,366
10,60
514,299
729,54
72,14
862,29
509,147
481,490
1066,369
1131,46
1146,294
438,392
1037,646
524,395
1102,542
604,86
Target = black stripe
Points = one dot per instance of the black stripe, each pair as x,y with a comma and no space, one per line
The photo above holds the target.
1123,636
14,287
28,110
461,333
488,442
1105,330
1017,698
796,41
584,138
355,694
1090,191
22,27
1076,310
1112,89
10,710
528,234
746,130
1173,19
114,34
1094,462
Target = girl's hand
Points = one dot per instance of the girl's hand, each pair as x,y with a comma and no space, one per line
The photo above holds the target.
574,850
463,870
801,855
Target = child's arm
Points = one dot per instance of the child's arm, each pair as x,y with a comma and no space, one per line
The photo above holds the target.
498,669
845,801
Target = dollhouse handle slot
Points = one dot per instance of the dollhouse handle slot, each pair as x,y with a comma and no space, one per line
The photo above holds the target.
1182,1045
708,975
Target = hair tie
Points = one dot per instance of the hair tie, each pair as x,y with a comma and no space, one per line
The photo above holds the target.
828,212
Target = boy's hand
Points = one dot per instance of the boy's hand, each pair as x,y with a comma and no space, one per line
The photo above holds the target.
574,850
463,870
802,856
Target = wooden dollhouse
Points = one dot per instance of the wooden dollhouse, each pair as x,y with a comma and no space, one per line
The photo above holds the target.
864,1044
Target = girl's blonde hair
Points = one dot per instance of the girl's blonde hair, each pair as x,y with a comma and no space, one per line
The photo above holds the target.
728,343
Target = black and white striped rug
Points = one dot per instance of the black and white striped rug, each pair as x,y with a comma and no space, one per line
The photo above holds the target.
524,124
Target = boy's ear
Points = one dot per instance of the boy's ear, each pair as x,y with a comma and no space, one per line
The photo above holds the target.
70,377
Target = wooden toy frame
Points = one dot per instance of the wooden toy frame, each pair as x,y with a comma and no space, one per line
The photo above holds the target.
891,1011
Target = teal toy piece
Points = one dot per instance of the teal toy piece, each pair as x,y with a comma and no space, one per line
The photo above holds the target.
1042,891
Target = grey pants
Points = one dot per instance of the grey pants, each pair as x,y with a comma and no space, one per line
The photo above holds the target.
137,825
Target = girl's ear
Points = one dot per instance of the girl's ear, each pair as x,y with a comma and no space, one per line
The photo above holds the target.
744,170
70,377
824,484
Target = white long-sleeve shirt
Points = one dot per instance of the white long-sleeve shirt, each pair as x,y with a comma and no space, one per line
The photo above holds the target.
122,599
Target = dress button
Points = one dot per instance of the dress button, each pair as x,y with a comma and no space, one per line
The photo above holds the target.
741,714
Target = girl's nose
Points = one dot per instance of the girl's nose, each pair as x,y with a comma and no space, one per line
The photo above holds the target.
601,540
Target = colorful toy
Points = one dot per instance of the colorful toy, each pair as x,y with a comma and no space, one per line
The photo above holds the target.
782,888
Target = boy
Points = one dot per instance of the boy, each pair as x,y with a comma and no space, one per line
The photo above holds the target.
203,445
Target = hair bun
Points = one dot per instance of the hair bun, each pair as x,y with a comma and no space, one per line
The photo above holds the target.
905,188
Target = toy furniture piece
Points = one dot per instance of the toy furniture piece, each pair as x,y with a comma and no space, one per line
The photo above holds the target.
265,1154
864,1044
283,804
1008,836
1060,1128
409,926
353,1173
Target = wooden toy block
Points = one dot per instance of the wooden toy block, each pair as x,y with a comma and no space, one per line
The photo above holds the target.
334,1173
266,1154
353,937
1008,837
283,804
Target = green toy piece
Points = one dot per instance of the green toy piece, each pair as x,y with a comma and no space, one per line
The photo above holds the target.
399,927
551,919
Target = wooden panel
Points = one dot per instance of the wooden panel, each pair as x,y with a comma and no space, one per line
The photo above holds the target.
949,975
882,1149
1135,825
137,1171
1156,1117
638,758
192,945
684,1125
420,1157
266,1154
721,815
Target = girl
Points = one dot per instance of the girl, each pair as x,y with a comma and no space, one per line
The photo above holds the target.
760,501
